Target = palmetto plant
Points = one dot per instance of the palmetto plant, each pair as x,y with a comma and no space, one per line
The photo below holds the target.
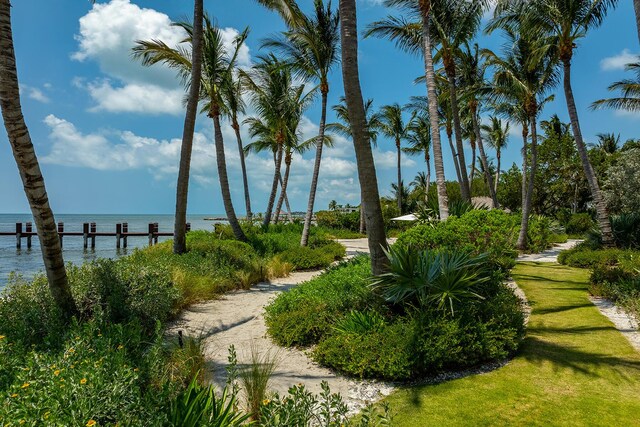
629,89
425,278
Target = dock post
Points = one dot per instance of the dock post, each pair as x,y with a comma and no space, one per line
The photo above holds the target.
188,227
18,235
155,233
60,231
151,228
118,235
85,234
125,230
28,231
93,235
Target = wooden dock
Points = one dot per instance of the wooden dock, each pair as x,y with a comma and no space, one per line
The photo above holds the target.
89,233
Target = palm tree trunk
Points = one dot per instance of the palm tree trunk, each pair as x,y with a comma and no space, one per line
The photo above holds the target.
245,180
427,160
360,132
472,174
316,169
285,182
363,225
274,186
465,190
288,206
224,179
601,207
454,154
497,172
526,203
636,7
443,200
483,157
182,187
27,163
525,135
399,195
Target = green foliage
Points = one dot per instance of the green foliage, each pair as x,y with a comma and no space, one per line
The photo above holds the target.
423,278
583,256
626,230
510,189
579,223
476,232
360,322
304,258
339,220
539,233
621,185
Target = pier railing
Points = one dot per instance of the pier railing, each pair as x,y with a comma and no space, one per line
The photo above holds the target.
89,233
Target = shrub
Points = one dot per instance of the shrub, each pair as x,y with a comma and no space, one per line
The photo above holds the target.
338,220
579,223
583,257
539,233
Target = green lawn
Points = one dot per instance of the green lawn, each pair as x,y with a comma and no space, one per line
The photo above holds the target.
574,368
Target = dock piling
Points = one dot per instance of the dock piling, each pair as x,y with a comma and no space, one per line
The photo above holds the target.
93,229
118,235
85,234
60,231
18,235
29,231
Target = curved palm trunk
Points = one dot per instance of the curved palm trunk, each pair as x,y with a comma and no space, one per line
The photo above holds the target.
316,170
454,154
443,200
525,135
601,207
472,175
284,184
363,225
274,186
399,195
427,160
483,158
636,7
224,180
465,190
182,187
360,132
245,180
27,163
288,206
498,153
526,203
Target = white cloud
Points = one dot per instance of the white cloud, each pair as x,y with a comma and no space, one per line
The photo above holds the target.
389,160
35,93
108,32
617,62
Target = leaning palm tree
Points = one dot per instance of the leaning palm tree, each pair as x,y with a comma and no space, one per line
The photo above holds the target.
561,23
497,136
393,125
419,139
415,37
630,91
524,74
218,66
310,46
421,184
29,169
359,129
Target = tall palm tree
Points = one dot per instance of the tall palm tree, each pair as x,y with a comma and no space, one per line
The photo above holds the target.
235,105
497,136
562,23
608,143
392,125
342,127
415,37
636,8
630,91
419,138
359,128
218,66
421,183
311,47
525,72
29,168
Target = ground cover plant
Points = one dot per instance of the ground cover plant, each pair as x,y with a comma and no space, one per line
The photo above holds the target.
574,367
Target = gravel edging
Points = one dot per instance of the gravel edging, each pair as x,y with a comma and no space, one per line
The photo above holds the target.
624,322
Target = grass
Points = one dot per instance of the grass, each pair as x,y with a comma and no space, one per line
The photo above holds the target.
574,368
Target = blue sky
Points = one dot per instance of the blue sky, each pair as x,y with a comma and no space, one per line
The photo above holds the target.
107,130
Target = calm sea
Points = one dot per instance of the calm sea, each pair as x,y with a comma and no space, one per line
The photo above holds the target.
28,262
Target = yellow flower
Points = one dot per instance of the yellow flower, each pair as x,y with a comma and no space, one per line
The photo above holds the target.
2,337
14,395
90,423
46,415
266,402
120,347
25,385
22,422
83,381
136,370
56,372
99,335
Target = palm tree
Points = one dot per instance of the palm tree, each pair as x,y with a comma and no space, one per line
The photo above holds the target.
608,143
636,7
421,184
342,127
27,162
525,72
392,125
630,100
235,105
218,66
419,138
310,46
333,205
361,142
497,136
415,37
562,23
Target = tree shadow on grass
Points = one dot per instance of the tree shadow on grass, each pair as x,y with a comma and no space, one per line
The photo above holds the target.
532,278
560,309
571,330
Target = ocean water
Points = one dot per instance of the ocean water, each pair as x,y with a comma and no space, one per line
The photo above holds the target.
28,262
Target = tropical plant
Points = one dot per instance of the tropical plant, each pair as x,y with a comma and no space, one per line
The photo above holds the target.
424,278
559,24
361,138
497,137
310,46
630,91
419,138
622,183
360,322
29,168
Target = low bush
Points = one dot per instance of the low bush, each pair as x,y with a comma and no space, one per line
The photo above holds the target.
579,224
583,256
339,220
